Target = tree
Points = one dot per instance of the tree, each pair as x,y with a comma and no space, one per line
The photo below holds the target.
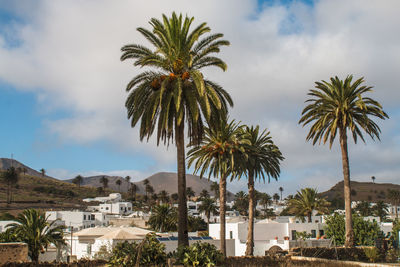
189,192
128,179
281,190
241,203
306,201
365,232
204,194
163,196
177,92
43,172
381,210
266,201
163,218
373,179
216,154
118,182
33,228
10,177
276,197
100,190
174,197
24,170
208,206
78,180
364,208
394,196
341,106
104,182
132,190
261,160
214,187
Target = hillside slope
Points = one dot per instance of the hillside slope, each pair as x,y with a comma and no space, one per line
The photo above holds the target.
366,191
6,163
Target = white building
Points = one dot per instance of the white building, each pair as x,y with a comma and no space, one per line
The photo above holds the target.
120,208
77,219
113,197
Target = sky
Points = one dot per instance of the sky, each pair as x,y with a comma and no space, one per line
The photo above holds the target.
62,84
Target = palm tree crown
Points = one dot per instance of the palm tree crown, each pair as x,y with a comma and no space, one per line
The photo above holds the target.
306,201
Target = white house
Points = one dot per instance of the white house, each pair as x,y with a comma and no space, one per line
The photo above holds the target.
77,219
113,197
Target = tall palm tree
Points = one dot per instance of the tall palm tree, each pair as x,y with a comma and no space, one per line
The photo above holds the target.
381,210
214,187
208,206
10,177
306,201
163,196
364,208
276,197
43,172
132,190
189,192
266,201
118,182
262,160
78,180
216,154
373,179
128,178
104,182
177,92
341,106
204,194
163,218
281,190
33,228
241,203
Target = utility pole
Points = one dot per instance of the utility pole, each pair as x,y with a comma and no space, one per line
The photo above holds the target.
72,230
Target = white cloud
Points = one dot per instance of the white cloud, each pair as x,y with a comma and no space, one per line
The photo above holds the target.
69,56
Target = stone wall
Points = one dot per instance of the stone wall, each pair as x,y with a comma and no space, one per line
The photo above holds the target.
13,252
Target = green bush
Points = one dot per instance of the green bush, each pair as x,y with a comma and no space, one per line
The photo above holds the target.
372,254
149,252
198,254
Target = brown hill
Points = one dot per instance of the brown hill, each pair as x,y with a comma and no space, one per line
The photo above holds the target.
362,191
6,163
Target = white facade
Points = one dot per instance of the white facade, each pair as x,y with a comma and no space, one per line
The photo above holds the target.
120,208
113,197
77,219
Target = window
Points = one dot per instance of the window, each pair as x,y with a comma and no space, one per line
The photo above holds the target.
321,233
294,235
92,217
84,217
122,208
230,234
106,208
313,233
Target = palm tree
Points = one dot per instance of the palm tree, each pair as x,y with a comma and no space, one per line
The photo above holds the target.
241,203
10,177
306,201
163,196
394,196
43,172
163,218
118,182
100,190
128,179
33,228
276,197
214,187
24,170
189,192
281,190
261,160
177,91
174,197
364,208
373,179
133,190
341,106
78,180
381,210
216,154
266,201
104,182
204,194
208,206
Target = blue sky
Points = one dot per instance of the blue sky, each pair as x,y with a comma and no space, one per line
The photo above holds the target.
62,84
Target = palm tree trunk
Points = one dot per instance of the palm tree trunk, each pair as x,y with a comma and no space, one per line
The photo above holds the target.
309,217
250,232
183,239
222,200
347,189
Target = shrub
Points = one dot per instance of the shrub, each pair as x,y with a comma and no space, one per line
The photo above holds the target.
149,252
372,254
202,254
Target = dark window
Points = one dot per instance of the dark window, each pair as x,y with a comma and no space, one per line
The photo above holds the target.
294,235
84,217
92,217
321,233
231,234
313,233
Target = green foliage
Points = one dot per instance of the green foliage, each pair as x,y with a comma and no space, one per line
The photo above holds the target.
365,232
33,228
395,231
163,218
381,210
149,252
372,254
241,203
364,208
51,190
208,206
199,254
196,224
302,235
6,216
103,254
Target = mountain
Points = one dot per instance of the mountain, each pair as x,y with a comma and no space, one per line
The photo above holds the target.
6,163
159,181
360,191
